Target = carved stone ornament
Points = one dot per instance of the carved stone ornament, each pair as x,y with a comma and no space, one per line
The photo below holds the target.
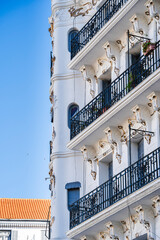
51,29
139,210
136,27
156,205
126,226
137,117
153,13
120,45
53,133
123,134
82,7
110,231
103,235
153,103
111,58
113,144
89,154
103,66
88,74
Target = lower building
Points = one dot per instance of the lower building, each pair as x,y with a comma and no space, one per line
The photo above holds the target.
24,219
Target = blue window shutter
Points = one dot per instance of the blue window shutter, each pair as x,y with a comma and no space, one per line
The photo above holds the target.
73,196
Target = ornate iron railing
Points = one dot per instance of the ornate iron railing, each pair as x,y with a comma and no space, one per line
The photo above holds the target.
118,89
102,16
118,187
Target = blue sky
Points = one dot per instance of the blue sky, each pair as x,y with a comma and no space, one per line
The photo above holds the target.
25,128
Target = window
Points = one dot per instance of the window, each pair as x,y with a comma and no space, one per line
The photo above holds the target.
141,149
71,35
5,235
73,192
73,109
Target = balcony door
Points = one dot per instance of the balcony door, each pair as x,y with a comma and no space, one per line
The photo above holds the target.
106,86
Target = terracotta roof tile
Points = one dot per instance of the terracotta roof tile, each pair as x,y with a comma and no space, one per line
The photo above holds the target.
36,209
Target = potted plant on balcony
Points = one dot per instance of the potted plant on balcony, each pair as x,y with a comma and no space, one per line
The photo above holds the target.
148,47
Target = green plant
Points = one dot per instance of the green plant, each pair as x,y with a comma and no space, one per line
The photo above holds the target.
146,45
131,80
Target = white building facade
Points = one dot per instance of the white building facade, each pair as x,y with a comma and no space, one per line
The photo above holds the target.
105,114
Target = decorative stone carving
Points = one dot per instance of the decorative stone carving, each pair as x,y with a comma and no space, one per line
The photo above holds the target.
82,7
113,144
51,97
103,66
53,133
123,134
151,5
136,27
112,57
103,235
89,155
137,117
153,103
51,29
120,45
110,231
88,74
156,205
139,210
125,226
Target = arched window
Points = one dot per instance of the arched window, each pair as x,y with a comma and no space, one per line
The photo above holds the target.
73,109
71,35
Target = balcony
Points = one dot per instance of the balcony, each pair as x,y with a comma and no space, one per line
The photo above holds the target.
136,176
118,89
102,16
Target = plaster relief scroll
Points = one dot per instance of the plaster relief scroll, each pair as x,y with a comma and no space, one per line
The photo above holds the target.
82,7
156,205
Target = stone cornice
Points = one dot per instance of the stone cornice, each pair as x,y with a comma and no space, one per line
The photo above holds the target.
65,154
59,77
22,224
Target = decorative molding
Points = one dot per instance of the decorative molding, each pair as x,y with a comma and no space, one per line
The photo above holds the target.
10,224
150,4
140,212
110,231
103,66
113,144
153,103
112,57
120,45
89,75
51,29
156,205
82,7
135,21
89,155
126,226
53,133
137,117
123,134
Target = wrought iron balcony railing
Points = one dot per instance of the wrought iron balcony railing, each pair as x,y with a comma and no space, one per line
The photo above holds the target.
102,16
118,89
118,187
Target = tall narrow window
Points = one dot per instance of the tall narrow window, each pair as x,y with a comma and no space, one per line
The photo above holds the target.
71,35
73,192
73,109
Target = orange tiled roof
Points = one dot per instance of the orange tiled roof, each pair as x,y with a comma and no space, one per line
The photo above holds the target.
36,209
